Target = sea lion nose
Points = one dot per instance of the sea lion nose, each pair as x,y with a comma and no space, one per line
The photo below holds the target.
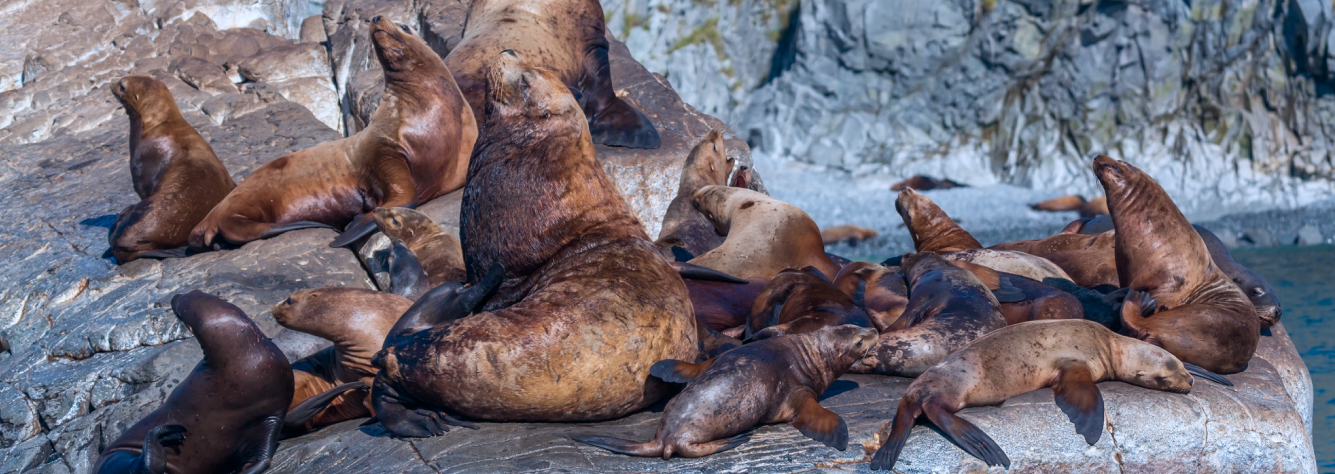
376,19
510,52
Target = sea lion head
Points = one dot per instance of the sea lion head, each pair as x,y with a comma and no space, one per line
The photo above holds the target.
845,344
143,97
401,223
1120,179
917,264
520,93
401,52
720,204
709,162
217,324
1150,366
922,216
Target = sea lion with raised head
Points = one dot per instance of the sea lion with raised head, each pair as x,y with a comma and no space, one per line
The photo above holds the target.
415,149
764,235
591,299
798,301
176,174
777,380
881,291
929,226
226,415
683,226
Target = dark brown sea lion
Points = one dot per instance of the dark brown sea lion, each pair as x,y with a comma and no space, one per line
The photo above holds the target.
764,235
356,320
932,230
1090,208
847,233
777,380
565,37
799,301
724,306
948,308
1023,299
229,410
415,149
592,301
1069,356
439,253
1188,306
925,183
176,175
881,291
683,226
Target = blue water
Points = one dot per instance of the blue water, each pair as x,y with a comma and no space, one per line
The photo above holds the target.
1304,277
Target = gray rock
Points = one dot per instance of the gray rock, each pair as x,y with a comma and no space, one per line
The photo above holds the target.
1259,237
1309,235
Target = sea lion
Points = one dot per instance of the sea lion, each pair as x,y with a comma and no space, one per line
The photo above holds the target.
1179,299
226,415
764,235
1018,263
724,306
1069,356
1088,260
356,320
925,183
881,291
846,233
415,149
1086,208
176,174
799,301
683,226
439,253
590,297
948,308
566,38
931,229
776,380
1022,299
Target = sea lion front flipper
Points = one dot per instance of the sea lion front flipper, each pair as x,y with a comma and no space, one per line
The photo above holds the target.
682,255
291,226
298,416
1080,399
260,459
152,460
696,272
404,418
1075,225
449,302
676,371
967,436
406,276
361,226
1006,291
1198,371
820,424
649,448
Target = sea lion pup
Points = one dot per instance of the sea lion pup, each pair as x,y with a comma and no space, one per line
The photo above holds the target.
1179,299
584,290
175,173
229,410
1022,299
948,308
683,226
880,291
439,253
846,233
932,230
1090,208
799,301
1069,356
415,149
764,235
356,320
565,37
777,380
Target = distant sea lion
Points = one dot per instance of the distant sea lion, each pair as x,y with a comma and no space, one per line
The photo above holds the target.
415,149
582,287
847,233
932,230
925,183
1069,356
225,416
777,380
1022,299
1179,299
356,320
176,175
683,226
564,37
1094,207
764,235
881,291
948,308
440,254
800,301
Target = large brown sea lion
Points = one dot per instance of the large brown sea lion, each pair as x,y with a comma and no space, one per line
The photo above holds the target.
931,229
587,304
764,235
226,415
881,291
415,149
439,253
777,380
1179,298
565,37
1087,259
799,301
176,175
948,308
1069,356
683,226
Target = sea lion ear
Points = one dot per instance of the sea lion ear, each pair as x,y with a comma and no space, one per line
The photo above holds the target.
1080,399
676,371
820,424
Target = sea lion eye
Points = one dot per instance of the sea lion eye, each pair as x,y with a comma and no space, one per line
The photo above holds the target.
404,28
396,222
1237,280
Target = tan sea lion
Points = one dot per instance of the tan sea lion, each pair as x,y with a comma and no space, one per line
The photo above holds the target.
847,233
683,226
931,229
226,415
1018,263
565,37
415,149
1069,356
439,253
1022,299
948,308
1088,260
1086,208
777,380
882,291
175,173
1179,298
764,235
592,300
800,301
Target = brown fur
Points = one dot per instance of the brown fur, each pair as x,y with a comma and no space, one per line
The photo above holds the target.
932,230
440,253
798,301
846,233
723,306
764,235
884,292
1088,259
1094,207
683,226
1040,301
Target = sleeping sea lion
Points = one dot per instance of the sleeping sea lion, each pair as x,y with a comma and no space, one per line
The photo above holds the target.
1087,259
1086,208
1022,299
764,235
799,301
881,291
683,226
846,233
438,252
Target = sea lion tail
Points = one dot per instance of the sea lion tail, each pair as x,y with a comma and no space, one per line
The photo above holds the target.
888,454
1198,371
651,448
298,416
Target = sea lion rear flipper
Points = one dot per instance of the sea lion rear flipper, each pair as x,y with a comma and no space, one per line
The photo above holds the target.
821,424
1075,225
406,276
152,460
682,255
695,450
612,120
449,302
361,226
967,436
405,418
1080,399
697,272
888,454
298,416
676,371
1007,292
1198,371
622,446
